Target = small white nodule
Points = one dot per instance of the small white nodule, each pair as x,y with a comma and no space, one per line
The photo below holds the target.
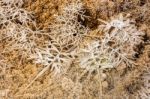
118,24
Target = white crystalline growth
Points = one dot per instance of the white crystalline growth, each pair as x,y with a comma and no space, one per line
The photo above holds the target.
118,45
11,2
66,28
52,57
95,57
